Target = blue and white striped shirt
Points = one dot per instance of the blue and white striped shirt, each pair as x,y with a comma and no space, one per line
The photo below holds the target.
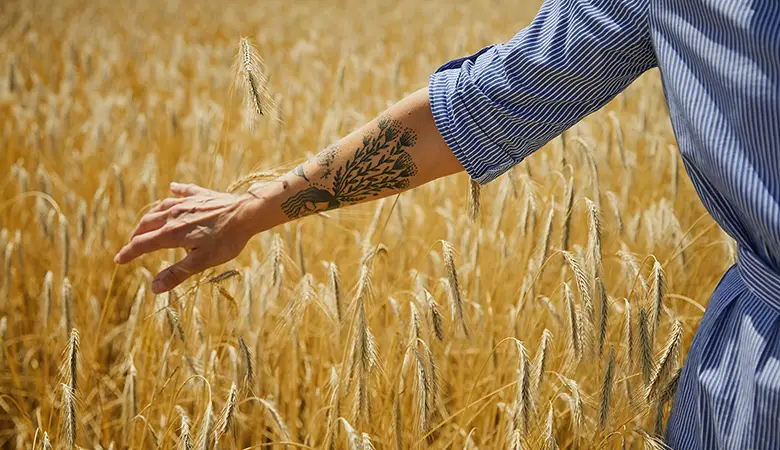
720,65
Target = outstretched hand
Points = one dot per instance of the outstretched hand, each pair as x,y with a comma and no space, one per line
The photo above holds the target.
212,226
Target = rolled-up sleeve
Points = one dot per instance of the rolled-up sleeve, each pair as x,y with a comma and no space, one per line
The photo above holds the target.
501,104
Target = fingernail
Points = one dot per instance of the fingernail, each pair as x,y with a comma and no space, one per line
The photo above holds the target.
116,258
174,184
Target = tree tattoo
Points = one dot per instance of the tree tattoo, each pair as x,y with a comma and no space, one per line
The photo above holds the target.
381,163
325,160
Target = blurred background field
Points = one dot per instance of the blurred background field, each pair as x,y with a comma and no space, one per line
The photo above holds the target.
341,330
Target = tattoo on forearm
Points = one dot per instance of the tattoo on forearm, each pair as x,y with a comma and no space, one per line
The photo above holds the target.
381,163
325,160
299,171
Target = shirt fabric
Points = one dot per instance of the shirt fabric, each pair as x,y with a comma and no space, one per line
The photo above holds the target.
720,65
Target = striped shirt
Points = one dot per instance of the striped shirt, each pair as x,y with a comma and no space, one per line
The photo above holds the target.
720,65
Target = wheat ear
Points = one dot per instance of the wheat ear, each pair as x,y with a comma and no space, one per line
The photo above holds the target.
67,305
606,389
666,363
594,236
452,277
46,299
568,203
46,441
185,440
645,347
657,296
226,417
523,404
64,246
601,294
474,200
540,359
574,327
335,290
549,431
435,315
206,427
254,81
628,337
251,178
249,365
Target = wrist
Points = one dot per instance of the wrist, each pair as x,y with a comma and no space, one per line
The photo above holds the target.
258,211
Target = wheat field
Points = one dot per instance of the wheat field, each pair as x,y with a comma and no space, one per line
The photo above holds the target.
549,309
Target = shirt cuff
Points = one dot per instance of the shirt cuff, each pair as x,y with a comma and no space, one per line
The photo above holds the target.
482,157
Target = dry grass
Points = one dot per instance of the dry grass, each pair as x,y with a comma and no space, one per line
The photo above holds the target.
332,332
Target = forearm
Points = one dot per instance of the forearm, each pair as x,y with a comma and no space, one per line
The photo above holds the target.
399,150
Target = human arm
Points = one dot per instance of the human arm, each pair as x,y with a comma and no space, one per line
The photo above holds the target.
490,111
398,150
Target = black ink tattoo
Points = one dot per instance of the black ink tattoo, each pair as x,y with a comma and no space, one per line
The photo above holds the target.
381,163
299,171
325,160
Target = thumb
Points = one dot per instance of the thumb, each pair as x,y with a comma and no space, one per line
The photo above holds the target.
186,190
176,274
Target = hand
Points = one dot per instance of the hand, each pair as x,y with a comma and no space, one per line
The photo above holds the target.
213,226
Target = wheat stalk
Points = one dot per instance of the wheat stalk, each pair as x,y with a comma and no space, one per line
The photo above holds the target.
7,273
666,363
81,220
628,337
275,417
540,359
185,440
523,404
130,405
567,207
474,200
606,389
66,299
253,81
252,178
645,346
601,294
46,299
574,326
249,365
69,416
586,319
594,236
614,203
452,278
206,428
64,246
335,290
436,319
398,423
421,393
226,417
657,296
549,431
516,440
544,248
276,260
46,442
364,353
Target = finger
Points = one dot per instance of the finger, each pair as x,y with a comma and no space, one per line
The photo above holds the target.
176,274
150,222
143,244
186,190
165,204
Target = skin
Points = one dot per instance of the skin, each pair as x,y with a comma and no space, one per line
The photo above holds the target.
399,150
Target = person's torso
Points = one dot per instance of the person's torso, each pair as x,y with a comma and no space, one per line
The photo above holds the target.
720,65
